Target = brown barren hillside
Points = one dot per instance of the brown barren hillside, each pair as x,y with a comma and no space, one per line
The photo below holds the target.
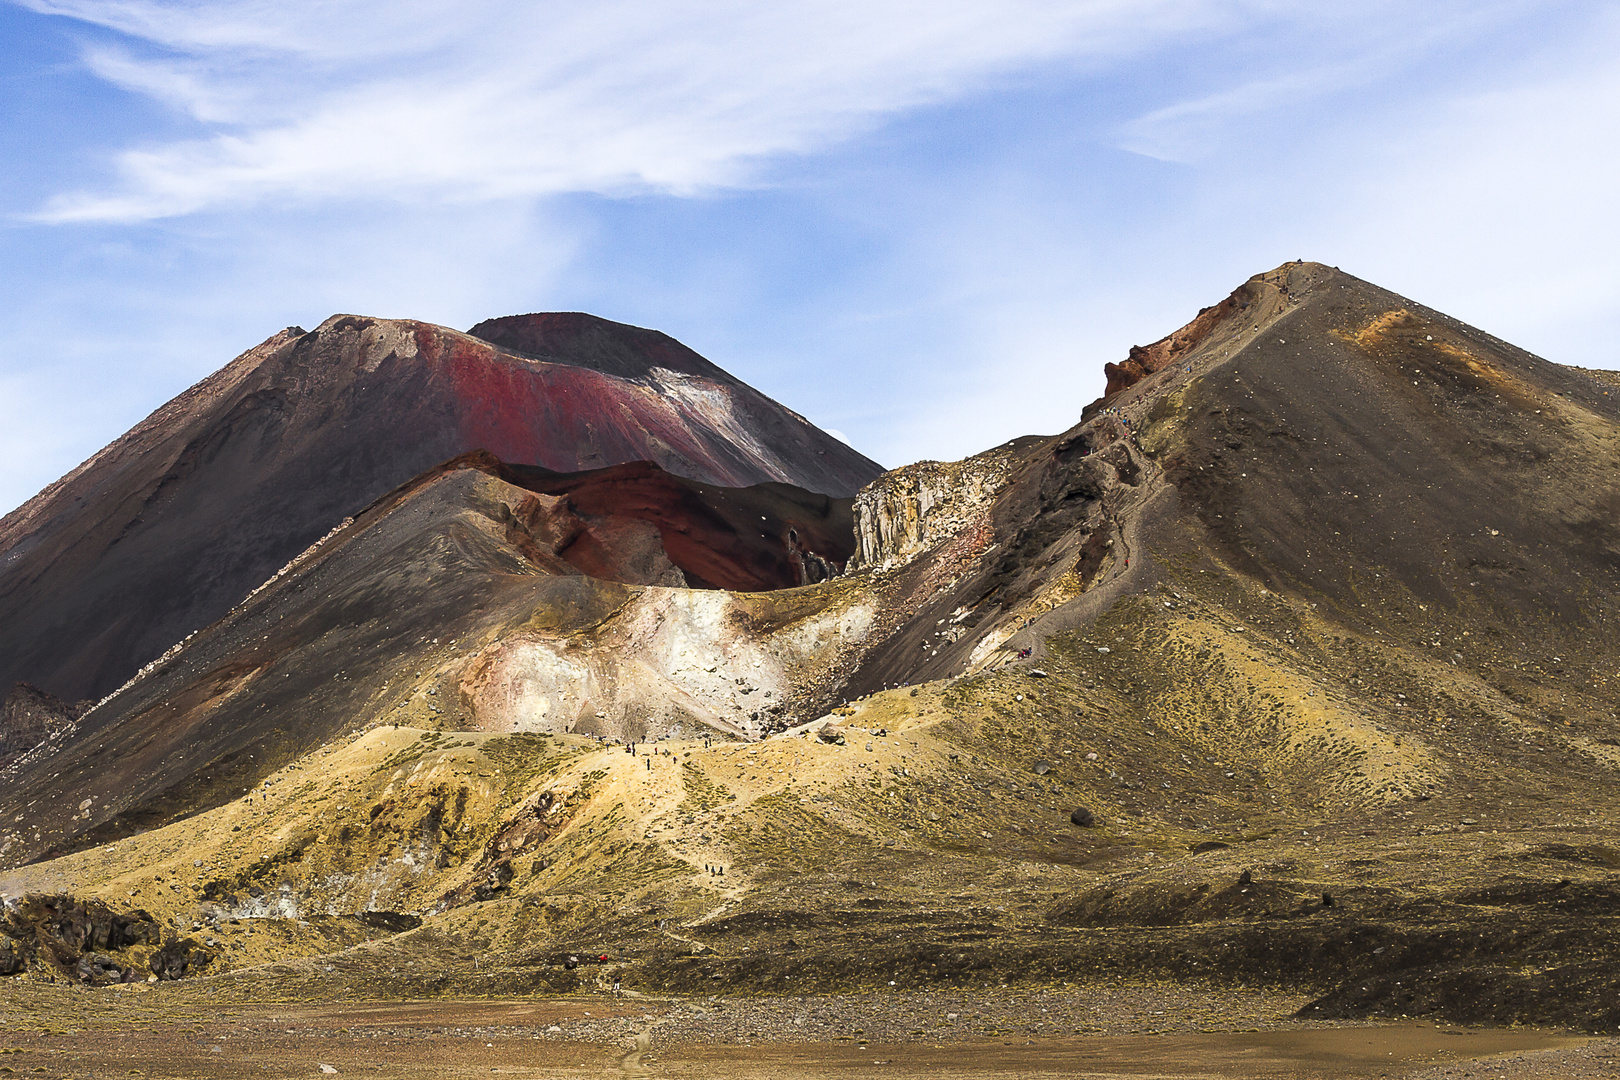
1289,670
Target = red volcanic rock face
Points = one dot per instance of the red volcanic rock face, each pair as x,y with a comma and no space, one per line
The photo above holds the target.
1146,359
597,393
162,531
769,536
563,417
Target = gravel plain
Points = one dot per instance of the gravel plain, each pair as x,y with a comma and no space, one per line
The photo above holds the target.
1114,1030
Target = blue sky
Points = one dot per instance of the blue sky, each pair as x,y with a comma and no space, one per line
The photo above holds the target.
923,224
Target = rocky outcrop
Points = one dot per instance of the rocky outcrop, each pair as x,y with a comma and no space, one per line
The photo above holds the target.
180,958
908,510
970,555
81,940
1145,360
1249,308
539,818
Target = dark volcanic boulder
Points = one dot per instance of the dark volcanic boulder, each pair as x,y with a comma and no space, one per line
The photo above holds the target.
12,957
100,969
178,959
72,937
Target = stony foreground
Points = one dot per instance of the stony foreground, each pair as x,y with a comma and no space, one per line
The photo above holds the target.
1137,1030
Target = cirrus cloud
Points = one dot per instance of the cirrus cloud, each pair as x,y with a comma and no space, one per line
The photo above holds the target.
308,101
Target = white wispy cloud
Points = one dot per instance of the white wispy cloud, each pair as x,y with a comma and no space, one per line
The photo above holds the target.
1498,207
930,294
1334,50
309,100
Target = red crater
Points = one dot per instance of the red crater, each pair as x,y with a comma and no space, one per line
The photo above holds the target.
767,536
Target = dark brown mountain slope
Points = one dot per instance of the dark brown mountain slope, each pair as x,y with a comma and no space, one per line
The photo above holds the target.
1324,437
162,531
1288,666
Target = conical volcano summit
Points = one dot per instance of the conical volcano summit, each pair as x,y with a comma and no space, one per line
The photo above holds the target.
392,662
161,532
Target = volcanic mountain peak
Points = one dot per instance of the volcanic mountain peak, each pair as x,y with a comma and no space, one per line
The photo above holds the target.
582,340
1291,661
162,531
1250,309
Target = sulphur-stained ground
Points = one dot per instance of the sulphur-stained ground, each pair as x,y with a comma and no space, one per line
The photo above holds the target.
1135,1029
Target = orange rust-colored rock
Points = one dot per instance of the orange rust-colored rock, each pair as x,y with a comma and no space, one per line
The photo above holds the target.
1145,360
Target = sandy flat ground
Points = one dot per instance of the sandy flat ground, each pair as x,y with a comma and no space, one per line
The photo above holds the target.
126,1035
